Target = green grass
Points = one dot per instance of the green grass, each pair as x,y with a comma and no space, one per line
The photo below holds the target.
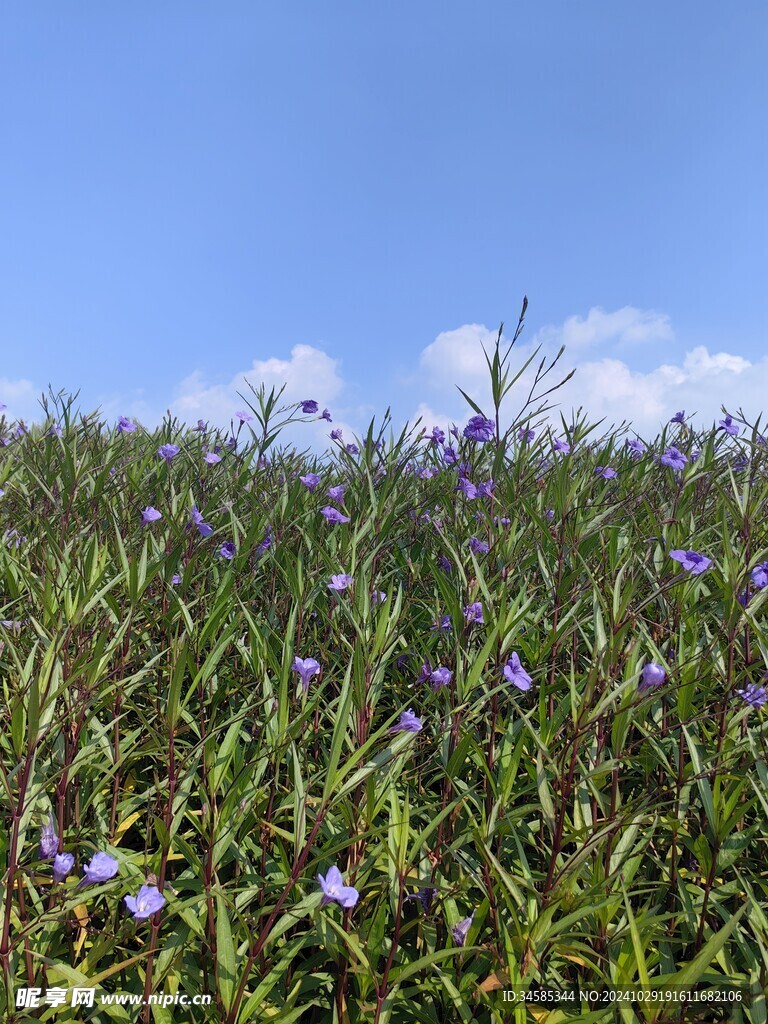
602,835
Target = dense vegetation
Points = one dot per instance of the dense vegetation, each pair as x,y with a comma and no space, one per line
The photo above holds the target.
486,679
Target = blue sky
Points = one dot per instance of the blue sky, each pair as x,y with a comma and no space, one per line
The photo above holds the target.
351,196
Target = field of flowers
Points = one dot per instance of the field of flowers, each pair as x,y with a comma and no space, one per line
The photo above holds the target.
397,734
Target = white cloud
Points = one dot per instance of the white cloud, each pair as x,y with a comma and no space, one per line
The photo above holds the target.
21,398
626,326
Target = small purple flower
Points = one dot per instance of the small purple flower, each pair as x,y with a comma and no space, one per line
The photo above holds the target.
485,490
606,472
474,613
333,515
479,547
62,866
266,542
176,579
211,458
306,667
310,481
334,890
636,448
692,561
515,673
204,529
559,445
101,869
353,449
146,902
679,417
467,488
424,896
437,436
201,427
378,597
673,458
443,623
125,426
231,443
695,454
13,624
526,435
550,514
409,722
340,582
151,515
444,563
440,677
227,550
744,598
336,434
754,695
168,452
461,930
729,426
243,416
759,575
425,472
479,429
652,675
449,456
49,841
309,405
336,493
326,415
13,539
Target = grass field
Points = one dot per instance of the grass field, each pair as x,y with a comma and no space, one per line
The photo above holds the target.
501,690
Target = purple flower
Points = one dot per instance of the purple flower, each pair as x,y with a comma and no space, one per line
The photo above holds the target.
636,448
168,452
125,426
146,902
550,514
560,445
409,722
437,436
479,547
231,443
62,866
176,579
13,624
479,429
266,542
759,575
444,563
377,597
202,426
486,490
49,841
526,436
151,515
674,458
474,613
336,493
440,677
692,561
101,869
467,487
340,582
306,667
336,434
311,480
606,472
461,930
424,896
204,529
334,890
333,515
326,415
679,417
443,623
743,598
227,550
652,675
729,426
754,695
449,456
13,539
309,405
211,458
425,473
515,673
353,449
244,417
